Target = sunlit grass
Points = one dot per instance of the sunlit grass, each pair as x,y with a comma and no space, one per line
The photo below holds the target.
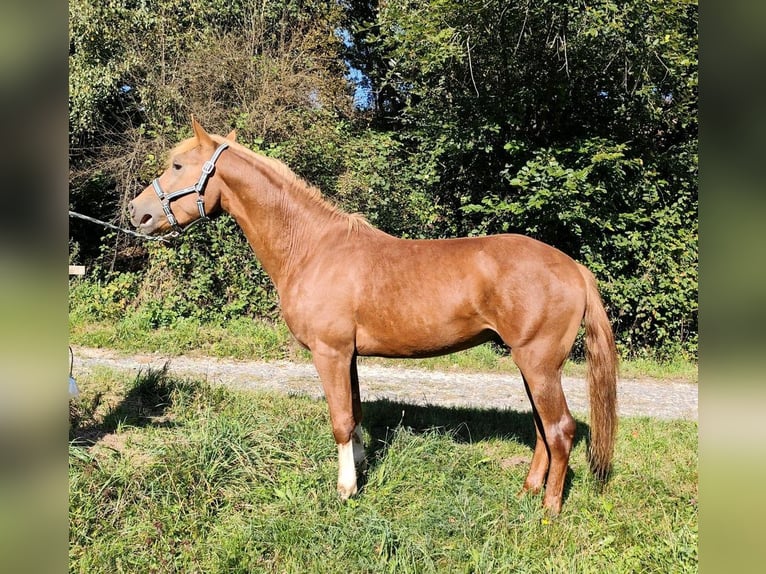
175,475
261,340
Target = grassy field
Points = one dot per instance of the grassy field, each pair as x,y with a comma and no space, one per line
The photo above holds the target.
174,475
248,339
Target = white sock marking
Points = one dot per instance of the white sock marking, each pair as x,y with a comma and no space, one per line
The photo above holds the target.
346,470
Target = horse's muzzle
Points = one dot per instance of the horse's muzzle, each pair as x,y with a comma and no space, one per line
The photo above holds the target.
146,215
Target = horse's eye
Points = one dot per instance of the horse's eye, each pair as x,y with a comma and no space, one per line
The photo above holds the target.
176,166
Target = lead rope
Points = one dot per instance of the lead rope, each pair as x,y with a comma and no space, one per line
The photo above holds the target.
164,238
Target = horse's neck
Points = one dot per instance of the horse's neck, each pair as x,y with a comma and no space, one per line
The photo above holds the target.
282,224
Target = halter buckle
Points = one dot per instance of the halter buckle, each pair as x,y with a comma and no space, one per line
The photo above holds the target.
208,167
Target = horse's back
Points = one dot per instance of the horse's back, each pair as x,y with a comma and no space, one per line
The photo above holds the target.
425,297
466,265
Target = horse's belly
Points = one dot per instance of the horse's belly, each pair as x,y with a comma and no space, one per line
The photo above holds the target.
419,339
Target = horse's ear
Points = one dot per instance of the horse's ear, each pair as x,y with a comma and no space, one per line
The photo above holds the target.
232,136
202,136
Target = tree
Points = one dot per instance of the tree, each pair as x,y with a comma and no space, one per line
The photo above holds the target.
574,122
139,69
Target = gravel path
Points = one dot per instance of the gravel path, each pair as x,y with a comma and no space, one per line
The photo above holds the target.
660,399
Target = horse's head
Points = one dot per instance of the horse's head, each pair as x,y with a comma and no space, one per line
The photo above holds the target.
188,189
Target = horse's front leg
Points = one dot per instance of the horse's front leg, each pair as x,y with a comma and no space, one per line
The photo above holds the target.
341,390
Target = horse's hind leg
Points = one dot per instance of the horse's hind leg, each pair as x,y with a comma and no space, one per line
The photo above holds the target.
335,371
360,459
555,425
538,469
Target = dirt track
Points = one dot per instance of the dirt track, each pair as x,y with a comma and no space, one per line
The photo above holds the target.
660,399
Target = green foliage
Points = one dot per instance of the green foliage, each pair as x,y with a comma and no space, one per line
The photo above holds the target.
138,70
210,274
389,188
576,124
599,205
102,301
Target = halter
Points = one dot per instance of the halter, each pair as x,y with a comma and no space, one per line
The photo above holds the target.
199,188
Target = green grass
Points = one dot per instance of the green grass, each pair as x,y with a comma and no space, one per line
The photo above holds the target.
173,475
249,339
238,339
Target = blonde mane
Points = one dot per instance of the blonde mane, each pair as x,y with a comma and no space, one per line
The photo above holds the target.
181,147
295,184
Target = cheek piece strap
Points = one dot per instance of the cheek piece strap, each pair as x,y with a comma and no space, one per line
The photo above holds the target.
199,188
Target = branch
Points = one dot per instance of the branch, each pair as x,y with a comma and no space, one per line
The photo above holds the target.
470,65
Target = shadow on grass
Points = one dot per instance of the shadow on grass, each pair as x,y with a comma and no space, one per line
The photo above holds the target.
153,392
144,404
463,424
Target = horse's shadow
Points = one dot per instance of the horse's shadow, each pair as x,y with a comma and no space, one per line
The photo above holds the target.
145,404
152,392
463,424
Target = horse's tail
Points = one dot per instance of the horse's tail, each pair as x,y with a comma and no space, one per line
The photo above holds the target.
601,356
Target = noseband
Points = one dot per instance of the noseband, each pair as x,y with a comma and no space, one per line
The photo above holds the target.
199,188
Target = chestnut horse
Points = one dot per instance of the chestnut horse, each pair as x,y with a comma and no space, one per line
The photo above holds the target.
347,289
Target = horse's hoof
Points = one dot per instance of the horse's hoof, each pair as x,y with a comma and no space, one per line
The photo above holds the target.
346,491
552,507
